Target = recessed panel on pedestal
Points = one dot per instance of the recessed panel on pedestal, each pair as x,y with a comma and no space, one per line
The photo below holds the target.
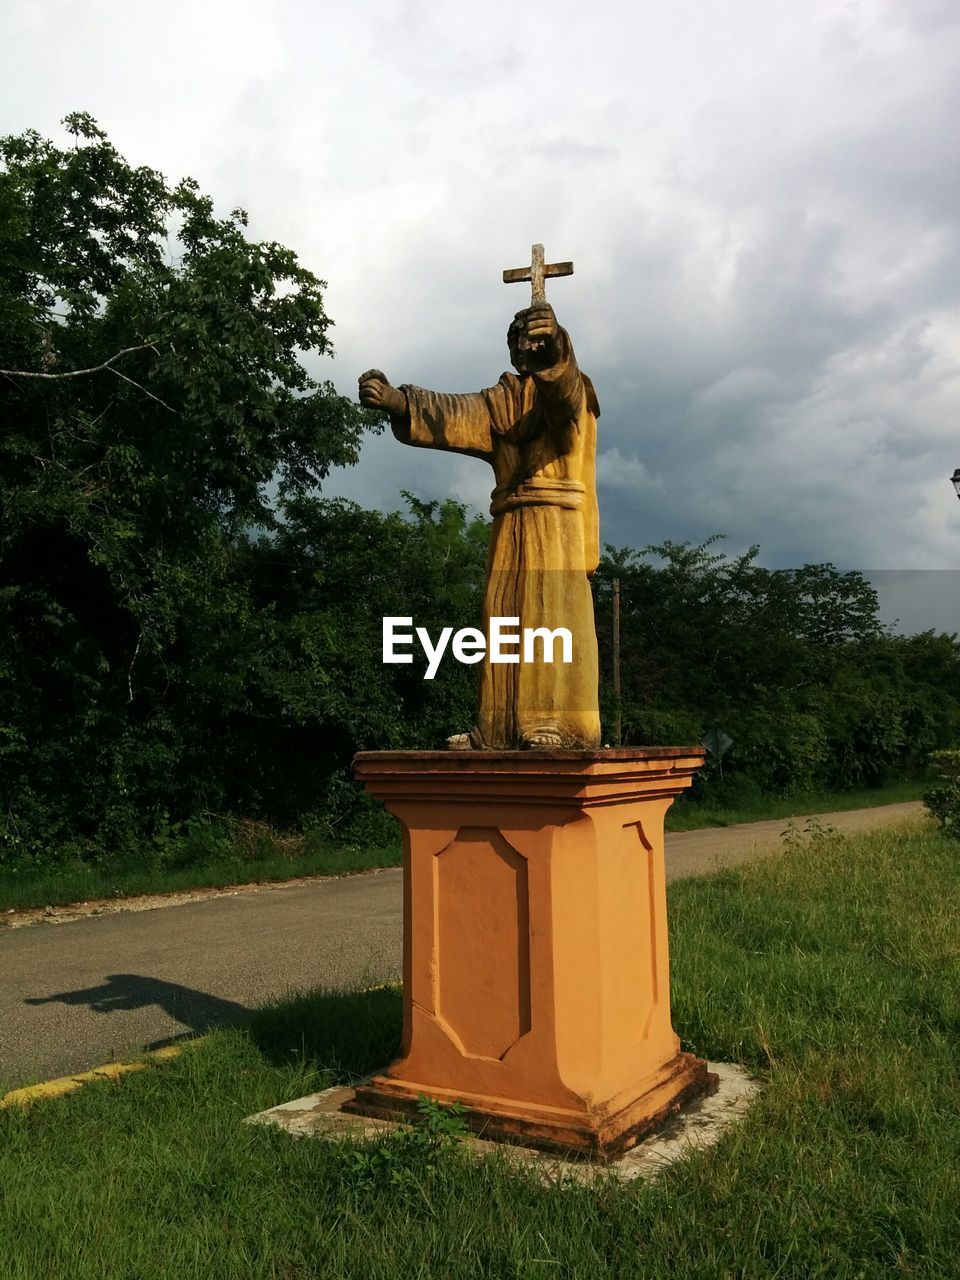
646,888
482,937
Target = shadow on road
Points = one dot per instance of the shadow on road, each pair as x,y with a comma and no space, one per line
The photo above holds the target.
347,1033
125,991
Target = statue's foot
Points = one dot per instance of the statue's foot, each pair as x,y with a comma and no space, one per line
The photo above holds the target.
459,742
544,739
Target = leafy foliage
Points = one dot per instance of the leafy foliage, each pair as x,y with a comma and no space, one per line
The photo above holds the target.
154,408
408,1159
793,664
944,801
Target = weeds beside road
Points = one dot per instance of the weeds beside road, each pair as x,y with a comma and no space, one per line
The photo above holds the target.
217,854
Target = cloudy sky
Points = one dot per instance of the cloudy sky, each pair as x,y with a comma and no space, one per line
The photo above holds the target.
762,201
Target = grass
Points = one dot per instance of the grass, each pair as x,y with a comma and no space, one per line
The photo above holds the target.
81,882
832,970
264,857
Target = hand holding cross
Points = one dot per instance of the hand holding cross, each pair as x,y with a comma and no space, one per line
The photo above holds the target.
536,344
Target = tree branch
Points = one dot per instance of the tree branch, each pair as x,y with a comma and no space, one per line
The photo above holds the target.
133,660
107,366
79,373
139,387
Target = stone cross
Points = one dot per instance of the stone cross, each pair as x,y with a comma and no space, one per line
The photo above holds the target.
536,273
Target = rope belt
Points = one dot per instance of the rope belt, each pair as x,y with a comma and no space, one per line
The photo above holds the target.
538,492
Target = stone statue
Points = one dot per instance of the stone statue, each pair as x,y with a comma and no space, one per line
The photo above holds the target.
537,429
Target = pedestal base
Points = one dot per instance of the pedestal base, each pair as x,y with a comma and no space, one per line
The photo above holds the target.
697,1126
536,973
595,1135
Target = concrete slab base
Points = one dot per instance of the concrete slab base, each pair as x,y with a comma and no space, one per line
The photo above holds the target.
697,1127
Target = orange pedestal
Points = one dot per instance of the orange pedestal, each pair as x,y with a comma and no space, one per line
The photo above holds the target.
536,982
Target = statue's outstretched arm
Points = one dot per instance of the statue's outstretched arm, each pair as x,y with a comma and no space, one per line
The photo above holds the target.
439,420
431,419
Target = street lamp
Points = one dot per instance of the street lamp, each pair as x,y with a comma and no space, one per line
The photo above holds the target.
956,481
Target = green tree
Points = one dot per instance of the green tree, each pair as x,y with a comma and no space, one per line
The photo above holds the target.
322,585
154,407
793,664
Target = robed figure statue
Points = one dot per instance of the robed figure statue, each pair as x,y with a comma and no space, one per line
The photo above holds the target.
537,428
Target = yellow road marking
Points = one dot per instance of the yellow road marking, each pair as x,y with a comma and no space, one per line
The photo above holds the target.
69,1084
113,1070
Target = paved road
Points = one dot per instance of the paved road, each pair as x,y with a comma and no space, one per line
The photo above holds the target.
695,853
76,995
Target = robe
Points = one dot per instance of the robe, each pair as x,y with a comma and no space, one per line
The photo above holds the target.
538,432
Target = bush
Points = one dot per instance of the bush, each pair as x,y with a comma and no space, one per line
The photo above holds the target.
944,801
783,751
660,727
732,791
